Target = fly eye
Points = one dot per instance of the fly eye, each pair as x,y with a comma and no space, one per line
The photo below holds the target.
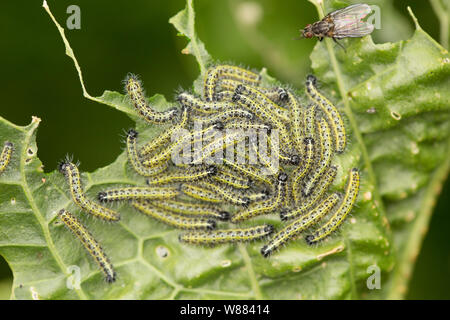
308,35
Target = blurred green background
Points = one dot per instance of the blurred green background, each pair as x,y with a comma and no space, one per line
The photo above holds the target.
123,36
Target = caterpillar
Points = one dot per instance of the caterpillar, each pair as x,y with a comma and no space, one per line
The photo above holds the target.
246,125
218,72
224,116
211,135
162,157
207,135
5,156
258,196
218,145
183,175
325,158
300,224
309,121
224,95
265,206
351,193
90,244
296,114
287,194
171,219
136,94
263,101
249,171
228,84
72,175
188,100
305,204
293,159
165,137
130,193
264,115
215,237
135,160
231,179
270,163
247,195
199,193
226,193
332,114
300,172
276,94
192,209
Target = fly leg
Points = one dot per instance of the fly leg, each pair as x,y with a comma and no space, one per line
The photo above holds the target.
340,44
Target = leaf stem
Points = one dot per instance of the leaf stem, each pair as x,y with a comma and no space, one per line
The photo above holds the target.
251,273
348,112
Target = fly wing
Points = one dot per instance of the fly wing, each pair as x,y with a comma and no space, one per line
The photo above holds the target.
357,11
348,21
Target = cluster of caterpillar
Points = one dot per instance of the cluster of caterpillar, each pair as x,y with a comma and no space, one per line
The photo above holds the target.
243,146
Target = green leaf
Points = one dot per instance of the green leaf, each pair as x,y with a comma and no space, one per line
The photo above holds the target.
402,150
395,98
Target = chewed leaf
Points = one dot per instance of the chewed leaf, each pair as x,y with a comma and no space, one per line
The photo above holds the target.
184,22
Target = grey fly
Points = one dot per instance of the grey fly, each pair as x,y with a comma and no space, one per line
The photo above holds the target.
343,23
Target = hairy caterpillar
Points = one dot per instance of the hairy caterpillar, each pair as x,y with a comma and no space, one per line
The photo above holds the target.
300,172
225,95
89,243
5,156
199,193
265,115
296,114
224,116
332,114
351,193
300,224
325,157
309,121
199,105
264,102
249,171
265,206
189,175
165,137
231,179
226,193
72,175
246,125
165,154
218,72
171,219
275,93
136,94
217,146
135,159
215,237
305,204
192,209
130,193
